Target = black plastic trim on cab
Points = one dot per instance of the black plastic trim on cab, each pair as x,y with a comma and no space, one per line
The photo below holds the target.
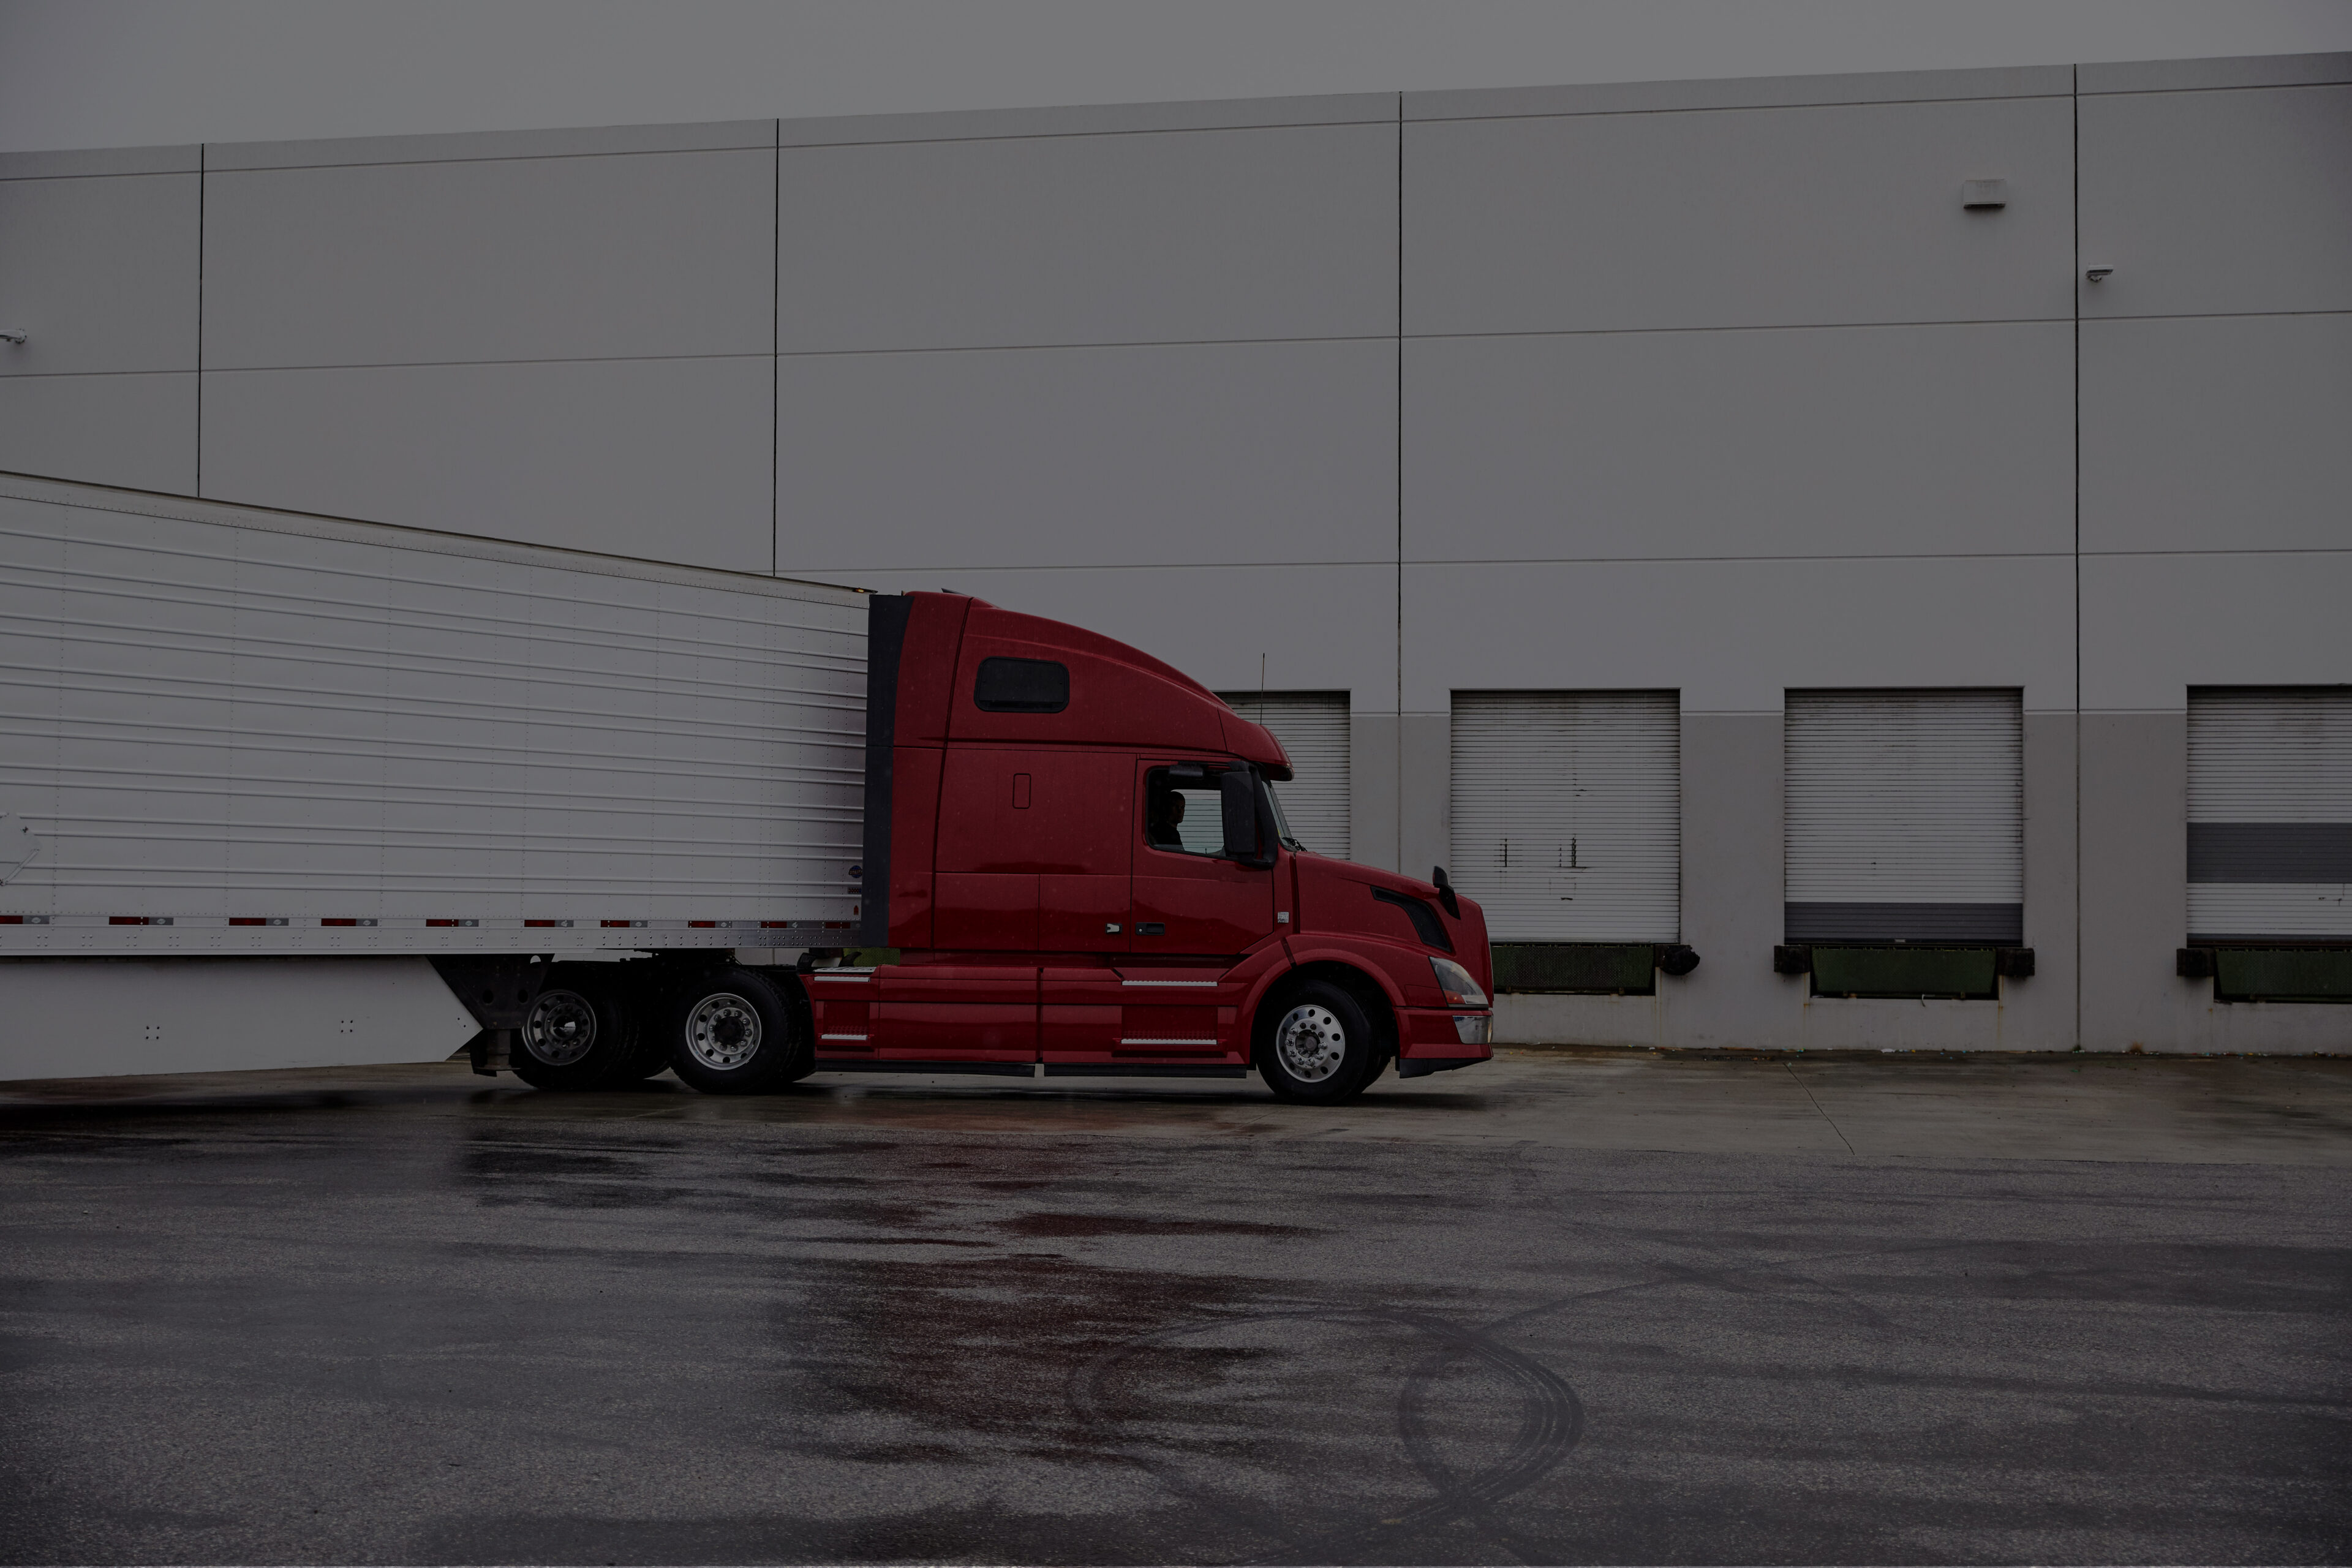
1421,1067
885,638
1425,923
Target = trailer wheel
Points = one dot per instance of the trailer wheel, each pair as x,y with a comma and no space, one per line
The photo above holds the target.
730,1031
1314,1045
577,1034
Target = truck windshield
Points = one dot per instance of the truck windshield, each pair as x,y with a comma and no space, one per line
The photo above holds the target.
1281,823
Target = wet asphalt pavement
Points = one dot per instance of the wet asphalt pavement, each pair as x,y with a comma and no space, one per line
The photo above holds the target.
1563,1308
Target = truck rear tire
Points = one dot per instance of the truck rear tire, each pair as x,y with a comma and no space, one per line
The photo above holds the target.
1314,1045
579,1034
731,1031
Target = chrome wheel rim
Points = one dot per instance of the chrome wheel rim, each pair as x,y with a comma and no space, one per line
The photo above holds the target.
723,1031
560,1028
1311,1043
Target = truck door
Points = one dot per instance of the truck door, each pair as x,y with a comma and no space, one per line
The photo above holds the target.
1189,898
1034,845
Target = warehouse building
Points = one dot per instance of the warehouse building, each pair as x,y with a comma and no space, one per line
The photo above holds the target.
1884,537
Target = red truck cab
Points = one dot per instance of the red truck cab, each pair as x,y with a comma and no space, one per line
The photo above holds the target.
1073,851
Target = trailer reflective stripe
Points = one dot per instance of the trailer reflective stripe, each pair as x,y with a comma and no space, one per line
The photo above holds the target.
1904,815
2270,812
1567,814
1313,726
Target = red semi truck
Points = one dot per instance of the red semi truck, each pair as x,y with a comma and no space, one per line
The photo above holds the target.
1073,859
258,770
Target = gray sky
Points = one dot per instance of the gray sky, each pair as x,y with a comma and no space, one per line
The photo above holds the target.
93,73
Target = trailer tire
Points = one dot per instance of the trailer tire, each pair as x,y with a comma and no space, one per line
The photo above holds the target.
732,1031
651,1059
1314,1045
580,1033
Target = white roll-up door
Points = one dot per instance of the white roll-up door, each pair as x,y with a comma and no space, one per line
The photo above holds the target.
1567,814
2270,812
1313,728
1905,817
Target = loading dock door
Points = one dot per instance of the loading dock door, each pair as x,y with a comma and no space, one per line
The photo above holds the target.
1904,817
1313,728
1567,814
2270,812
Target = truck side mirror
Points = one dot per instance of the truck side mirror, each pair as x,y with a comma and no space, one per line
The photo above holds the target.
1237,801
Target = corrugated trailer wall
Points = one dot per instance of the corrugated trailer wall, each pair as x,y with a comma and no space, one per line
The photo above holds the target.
243,732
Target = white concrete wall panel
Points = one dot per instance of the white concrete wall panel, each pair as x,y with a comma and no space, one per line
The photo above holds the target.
2156,624
1186,456
1315,628
100,274
551,258
1947,439
2217,432
2207,203
1733,635
134,430
1843,213
661,459
1286,232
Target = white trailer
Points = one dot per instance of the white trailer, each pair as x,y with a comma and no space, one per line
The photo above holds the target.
249,737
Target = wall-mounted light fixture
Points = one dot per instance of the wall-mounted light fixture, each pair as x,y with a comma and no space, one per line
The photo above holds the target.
2096,274
12,334
1984,195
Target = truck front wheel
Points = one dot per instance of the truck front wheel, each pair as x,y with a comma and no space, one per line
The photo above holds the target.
1315,1045
730,1032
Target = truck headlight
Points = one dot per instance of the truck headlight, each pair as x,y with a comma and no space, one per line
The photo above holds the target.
1473,1028
1461,991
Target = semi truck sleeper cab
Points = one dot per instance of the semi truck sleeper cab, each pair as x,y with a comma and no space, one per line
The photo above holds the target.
1073,862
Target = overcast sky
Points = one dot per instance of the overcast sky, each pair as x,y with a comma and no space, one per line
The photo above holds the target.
98,73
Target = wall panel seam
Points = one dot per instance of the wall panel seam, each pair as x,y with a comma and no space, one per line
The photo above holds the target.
1778,556
2243,87
83,375
1077,135
1736,107
202,192
1078,344
117,174
469,363
2216,315
483,158
775,354
1382,562
1763,327
2225,550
